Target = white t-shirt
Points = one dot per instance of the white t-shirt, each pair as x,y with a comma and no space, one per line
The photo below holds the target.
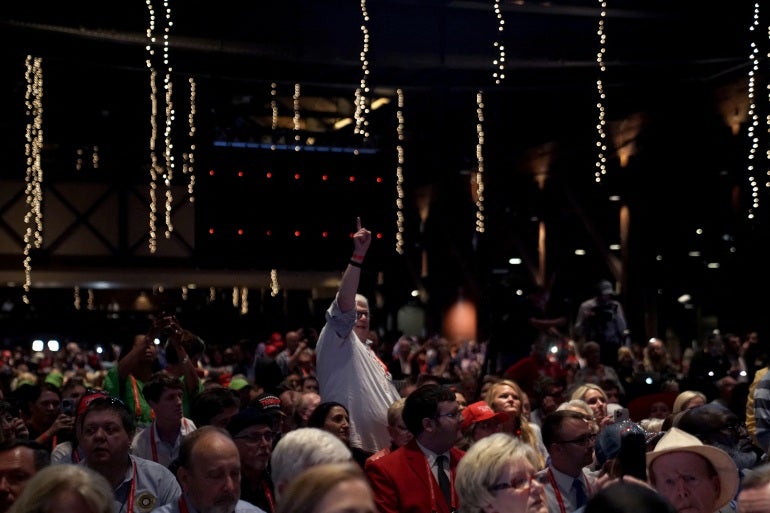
350,373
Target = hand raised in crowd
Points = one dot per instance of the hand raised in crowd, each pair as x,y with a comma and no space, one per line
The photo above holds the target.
361,239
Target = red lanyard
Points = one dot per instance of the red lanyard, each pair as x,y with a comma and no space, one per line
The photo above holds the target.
431,479
131,491
183,505
557,493
153,445
269,496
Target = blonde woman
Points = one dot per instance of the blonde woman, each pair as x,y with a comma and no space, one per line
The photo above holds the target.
596,398
498,474
505,395
687,400
65,489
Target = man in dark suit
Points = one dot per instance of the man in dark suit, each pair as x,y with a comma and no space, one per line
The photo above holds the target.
416,478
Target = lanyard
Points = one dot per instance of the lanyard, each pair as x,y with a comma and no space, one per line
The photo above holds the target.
183,505
268,495
154,445
557,493
131,492
431,479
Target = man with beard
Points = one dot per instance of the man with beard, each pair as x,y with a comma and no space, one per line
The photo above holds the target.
105,430
210,474
254,431
718,426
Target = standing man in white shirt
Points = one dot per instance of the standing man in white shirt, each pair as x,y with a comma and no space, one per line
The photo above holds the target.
349,371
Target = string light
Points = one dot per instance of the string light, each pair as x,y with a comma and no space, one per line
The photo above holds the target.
754,117
244,300
601,144
400,173
274,287
76,301
499,73
78,159
480,161
33,218
188,165
296,97
274,105
362,92
90,300
169,88
236,297
155,170
185,292
212,294
95,157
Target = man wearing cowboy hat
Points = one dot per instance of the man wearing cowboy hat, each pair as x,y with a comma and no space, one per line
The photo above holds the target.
694,477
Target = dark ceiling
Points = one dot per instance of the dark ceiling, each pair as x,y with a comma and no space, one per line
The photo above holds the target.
667,63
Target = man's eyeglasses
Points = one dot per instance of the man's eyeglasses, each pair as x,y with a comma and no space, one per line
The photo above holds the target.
362,313
520,484
453,415
581,440
256,437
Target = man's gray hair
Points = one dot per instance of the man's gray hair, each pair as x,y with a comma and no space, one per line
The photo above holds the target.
301,449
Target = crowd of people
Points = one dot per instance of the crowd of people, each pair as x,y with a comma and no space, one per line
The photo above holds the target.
333,420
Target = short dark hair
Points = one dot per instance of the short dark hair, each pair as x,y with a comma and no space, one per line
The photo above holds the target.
422,403
553,422
110,403
158,382
209,403
40,455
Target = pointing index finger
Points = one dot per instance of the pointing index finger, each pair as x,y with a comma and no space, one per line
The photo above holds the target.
358,223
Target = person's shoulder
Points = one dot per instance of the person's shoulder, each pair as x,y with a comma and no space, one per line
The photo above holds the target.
151,467
247,507
166,508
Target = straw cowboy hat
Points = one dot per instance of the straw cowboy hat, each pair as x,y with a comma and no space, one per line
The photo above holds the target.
676,440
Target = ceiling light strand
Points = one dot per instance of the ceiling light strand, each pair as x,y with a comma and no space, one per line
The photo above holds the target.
480,218
400,173
362,92
601,143
753,115
499,63
33,218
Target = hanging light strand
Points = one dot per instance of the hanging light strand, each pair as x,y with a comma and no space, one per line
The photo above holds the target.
33,218
188,165
297,119
499,63
275,288
480,218
274,105
601,143
168,86
155,169
753,129
362,92
400,173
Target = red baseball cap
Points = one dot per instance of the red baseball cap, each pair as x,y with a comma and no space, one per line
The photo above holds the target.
479,412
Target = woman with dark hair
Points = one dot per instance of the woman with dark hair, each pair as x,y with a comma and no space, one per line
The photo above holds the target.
334,418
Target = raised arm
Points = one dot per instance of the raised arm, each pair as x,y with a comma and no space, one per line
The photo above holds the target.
346,296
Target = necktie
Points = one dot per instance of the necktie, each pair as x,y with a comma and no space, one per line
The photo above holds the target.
443,480
580,493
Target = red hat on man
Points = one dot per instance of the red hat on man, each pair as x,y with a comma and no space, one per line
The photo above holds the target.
479,412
